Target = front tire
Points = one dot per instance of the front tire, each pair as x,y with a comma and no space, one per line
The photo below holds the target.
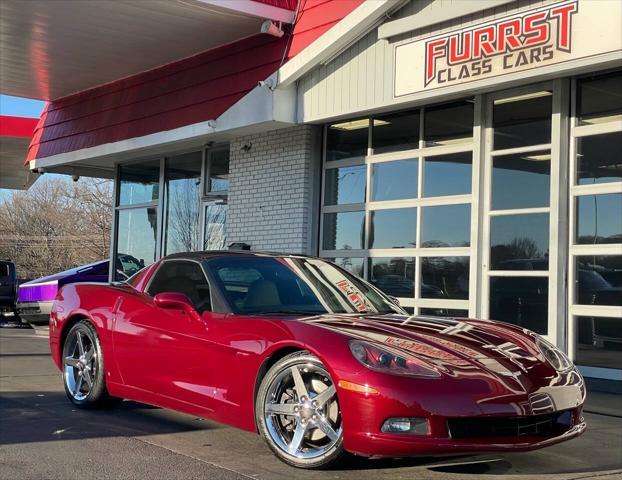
83,367
298,414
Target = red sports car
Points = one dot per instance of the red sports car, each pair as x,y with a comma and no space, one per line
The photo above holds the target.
316,360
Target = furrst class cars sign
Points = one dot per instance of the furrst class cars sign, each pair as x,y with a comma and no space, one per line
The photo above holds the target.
524,41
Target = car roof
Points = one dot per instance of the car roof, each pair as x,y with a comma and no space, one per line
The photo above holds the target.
207,255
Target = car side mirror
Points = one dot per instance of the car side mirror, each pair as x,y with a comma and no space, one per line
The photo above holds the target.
175,301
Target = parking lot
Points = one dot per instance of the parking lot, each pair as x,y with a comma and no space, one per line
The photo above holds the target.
42,436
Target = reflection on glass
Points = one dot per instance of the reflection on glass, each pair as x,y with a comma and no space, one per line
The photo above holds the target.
444,312
445,277
136,233
352,265
599,158
599,219
446,226
519,242
599,342
447,174
139,182
218,171
182,183
599,98
343,231
347,139
395,276
448,124
393,228
345,185
396,132
394,180
599,279
215,236
521,181
522,301
522,121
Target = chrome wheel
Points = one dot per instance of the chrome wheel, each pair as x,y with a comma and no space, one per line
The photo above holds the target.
301,411
80,364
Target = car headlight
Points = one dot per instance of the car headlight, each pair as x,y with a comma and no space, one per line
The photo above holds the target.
558,359
376,358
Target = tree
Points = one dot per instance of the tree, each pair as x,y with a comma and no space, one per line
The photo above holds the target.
56,225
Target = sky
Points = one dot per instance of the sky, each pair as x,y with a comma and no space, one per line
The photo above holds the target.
20,107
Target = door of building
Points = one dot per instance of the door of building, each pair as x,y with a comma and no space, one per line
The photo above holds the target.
214,224
524,224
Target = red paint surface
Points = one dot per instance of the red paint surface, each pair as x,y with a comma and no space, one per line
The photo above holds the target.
20,127
192,90
209,366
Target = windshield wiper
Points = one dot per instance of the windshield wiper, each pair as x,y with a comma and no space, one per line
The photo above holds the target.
290,312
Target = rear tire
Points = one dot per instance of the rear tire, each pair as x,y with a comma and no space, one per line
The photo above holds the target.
83,368
297,412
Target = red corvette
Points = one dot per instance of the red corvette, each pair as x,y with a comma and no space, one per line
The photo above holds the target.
316,360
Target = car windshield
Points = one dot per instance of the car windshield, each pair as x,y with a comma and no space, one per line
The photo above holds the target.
296,285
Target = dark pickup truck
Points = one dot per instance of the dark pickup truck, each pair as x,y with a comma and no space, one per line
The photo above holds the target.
8,287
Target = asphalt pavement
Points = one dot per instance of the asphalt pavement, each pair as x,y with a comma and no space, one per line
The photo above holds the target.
42,436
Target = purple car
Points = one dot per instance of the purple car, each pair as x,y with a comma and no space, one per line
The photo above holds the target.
35,298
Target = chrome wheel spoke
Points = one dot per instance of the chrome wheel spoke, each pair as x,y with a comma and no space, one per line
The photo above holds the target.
78,385
299,433
71,361
301,389
87,376
80,343
325,396
281,408
88,356
326,428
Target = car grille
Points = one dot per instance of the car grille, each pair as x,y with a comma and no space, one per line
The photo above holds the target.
548,425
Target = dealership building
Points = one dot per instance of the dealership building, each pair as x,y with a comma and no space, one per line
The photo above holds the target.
465,157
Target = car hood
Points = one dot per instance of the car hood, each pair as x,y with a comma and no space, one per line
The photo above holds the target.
448,342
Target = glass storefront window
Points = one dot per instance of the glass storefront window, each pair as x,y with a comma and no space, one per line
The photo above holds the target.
599,342
448,124
599,219
519,242
444,312
521,181
445,277
396,132
352,265
218,171
599,158
522,121
599,280
139,183
345,185
182,177
599,99
394,180
447,175
215,233
343,231
446,226
522,301
393,228
393,275
137,230
347,139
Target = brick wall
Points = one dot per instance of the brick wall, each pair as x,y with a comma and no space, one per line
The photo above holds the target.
273,192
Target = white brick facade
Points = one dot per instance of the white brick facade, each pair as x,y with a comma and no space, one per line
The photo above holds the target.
273,191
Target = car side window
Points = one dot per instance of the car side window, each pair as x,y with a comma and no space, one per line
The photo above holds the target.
182,277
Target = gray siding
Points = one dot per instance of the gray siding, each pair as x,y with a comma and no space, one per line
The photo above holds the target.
361,78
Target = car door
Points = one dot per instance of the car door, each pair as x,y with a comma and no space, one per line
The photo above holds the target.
167,351
8,286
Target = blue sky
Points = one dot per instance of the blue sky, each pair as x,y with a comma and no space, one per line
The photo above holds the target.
20,107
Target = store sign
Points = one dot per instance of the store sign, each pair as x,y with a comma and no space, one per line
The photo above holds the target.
524,41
